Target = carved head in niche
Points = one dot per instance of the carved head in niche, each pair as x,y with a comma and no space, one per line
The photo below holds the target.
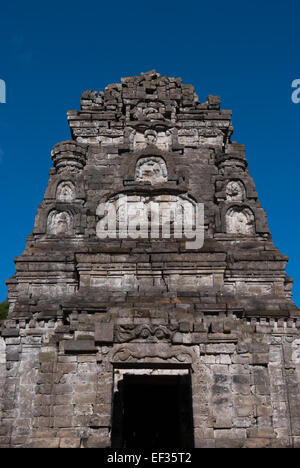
65,191
235,191
59,223
151,169
151,137
240,221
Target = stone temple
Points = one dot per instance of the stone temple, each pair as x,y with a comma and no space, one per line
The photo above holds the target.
142,338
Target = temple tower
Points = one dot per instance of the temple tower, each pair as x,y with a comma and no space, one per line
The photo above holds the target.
150,307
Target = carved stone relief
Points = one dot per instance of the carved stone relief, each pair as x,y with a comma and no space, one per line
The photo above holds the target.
149,110
151,169
150,333
235,191
65,191
140,139
59,223
153,353
240,220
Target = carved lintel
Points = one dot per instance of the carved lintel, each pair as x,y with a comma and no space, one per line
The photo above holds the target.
153,354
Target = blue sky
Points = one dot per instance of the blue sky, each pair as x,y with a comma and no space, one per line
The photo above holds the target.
248,53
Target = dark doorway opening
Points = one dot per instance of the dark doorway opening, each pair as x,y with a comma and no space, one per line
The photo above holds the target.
153,412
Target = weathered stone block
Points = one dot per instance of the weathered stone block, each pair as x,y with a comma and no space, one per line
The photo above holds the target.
9,332
79,346
177,338
62,421
229,443
104,332
259,359
100,420
63,410
101,441
85,398
62,389
47,357
257,443
261,432
205,443
44,443
69,443
221,348
12,356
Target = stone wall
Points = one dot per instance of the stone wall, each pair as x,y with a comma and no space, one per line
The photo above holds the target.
87,309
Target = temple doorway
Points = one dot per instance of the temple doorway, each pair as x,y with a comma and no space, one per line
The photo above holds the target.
153,412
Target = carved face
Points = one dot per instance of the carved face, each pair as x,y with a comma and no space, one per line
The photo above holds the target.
154,134
151,136
234,191
152,169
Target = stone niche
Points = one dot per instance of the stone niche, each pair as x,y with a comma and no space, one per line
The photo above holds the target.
151,169
240,220
235,191
59,223
65,191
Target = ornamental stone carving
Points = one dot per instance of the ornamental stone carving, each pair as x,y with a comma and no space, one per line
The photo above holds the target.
154,353
151,169
65,192
235,191
240,220
59,223
143,137
150,333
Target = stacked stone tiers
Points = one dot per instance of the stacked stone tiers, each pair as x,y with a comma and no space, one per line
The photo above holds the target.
83,309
